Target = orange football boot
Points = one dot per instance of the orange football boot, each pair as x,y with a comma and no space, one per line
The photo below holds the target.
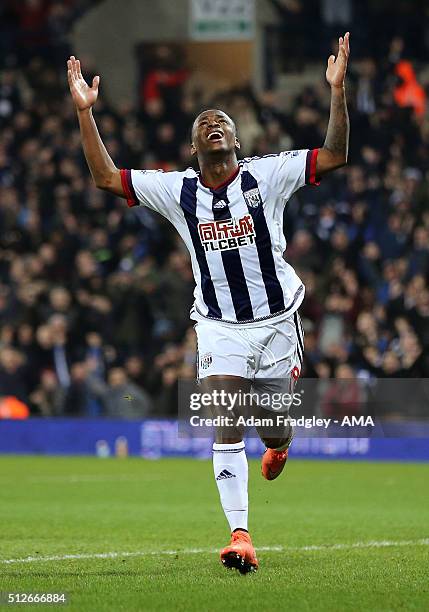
240,554
273,462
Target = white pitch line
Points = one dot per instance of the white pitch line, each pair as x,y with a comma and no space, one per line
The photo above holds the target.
194,551
90,478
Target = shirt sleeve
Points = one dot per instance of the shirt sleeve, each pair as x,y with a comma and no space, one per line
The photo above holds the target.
289,171
151,188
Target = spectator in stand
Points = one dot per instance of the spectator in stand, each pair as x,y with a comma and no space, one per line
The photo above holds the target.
123,398
408,92
344,397
13,379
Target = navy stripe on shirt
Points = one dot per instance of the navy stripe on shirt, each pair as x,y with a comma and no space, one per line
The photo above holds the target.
263,244
188,203
232,263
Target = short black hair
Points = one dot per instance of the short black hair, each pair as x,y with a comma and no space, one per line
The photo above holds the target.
215,110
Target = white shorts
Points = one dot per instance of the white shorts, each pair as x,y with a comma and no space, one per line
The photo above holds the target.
265,351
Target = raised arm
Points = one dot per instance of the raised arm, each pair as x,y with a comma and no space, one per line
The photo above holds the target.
334,152
104,172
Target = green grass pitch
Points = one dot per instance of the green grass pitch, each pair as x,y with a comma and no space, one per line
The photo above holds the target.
53,507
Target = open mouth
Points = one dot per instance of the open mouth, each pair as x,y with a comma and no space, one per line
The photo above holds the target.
215,136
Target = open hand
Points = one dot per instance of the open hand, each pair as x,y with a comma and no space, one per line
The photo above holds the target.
336,70
83,95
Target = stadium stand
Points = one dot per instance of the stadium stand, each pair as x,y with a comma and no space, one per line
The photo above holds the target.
94,299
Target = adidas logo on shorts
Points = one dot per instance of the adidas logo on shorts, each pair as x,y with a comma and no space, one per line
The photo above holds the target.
225,474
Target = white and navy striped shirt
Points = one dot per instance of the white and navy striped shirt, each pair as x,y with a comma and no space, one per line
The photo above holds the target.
234,232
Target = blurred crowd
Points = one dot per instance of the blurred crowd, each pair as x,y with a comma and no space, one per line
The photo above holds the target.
303,29
95,298
39,27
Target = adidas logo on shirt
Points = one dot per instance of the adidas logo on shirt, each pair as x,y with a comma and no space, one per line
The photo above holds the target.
220,204
225,474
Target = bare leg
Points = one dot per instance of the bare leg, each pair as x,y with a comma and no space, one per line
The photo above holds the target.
271,437
230,385
277,437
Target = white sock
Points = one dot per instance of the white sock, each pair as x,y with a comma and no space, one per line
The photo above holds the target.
231,473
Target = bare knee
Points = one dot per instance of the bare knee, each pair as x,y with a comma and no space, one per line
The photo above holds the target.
274,442
228,438
230,432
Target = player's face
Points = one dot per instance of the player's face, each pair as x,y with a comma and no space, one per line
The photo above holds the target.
213,132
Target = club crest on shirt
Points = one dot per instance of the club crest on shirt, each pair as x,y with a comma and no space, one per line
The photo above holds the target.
253,197
206,361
